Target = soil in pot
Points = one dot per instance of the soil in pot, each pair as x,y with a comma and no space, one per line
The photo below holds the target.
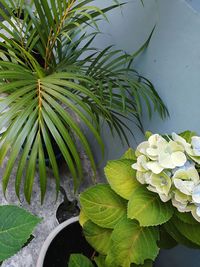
69,240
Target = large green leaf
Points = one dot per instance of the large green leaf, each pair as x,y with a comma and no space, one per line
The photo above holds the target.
173,230
100,261
148,209
186,217
121,177
97,237
130,154
166,240
79,260
134,244
16,226
103,206
189,231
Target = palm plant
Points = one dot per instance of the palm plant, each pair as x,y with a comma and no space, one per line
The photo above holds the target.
51,74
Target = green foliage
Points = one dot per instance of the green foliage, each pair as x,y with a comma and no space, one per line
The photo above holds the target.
120,176
97,236
103,206
187,135
132,243
146,207
166,240
77,260
132,238
130,154
57,84
16,226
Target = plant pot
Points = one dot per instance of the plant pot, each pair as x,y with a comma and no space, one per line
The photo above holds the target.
65,239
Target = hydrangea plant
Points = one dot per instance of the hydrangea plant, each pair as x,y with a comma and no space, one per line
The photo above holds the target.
150,202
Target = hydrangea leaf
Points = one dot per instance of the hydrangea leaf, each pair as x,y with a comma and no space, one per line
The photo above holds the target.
148,209
110,259
97,237
187,135
103,206
130,154
101,261
77,260
190,231
174,231
186,217
166,240
132,243
82,218
16,226
148,134
122,177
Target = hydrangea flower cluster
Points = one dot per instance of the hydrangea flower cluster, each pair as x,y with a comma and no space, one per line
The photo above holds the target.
168,167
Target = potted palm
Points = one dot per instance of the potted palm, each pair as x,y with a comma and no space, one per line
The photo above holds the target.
57,84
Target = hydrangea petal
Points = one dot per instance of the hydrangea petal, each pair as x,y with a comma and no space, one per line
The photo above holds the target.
161,182
153,139
163,197
181,197
196,194
178,158
180,140
154,166
193,174
165,161
196,145
185,187
142,147
152,152
141,164
196,213
180,206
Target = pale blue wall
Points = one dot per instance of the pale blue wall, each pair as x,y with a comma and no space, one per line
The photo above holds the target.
172,63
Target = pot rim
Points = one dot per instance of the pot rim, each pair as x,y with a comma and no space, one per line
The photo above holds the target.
50,238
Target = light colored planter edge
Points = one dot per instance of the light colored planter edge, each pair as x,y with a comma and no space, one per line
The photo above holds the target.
50,237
